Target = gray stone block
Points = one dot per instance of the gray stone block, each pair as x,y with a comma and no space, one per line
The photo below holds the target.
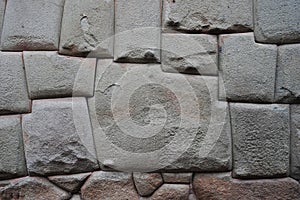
192,54
32,25
261,138
177,177
137,28
2,11
147,183
51,75
295,142
87,28
13,90
248,69
208,16
12,159
58,137
288,74
277,21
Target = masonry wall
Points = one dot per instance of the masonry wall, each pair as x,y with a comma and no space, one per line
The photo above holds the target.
150,99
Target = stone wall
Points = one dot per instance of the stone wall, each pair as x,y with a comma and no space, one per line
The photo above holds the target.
150,99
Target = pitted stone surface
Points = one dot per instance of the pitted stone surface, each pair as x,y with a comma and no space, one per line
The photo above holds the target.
288,74
32,188
190,53
177,177
70,183
58,137
222,186
109,186
208,16
87,28
51,75
76,197
13,89
12,160
137,27
248,69
2,10
171,191
261,137
32,25
277,21
147,183
295,141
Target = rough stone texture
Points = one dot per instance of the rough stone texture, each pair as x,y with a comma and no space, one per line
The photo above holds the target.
171,191
70,183
32,188
208,16
248,69
222,186
288,74
147,183
12,160
136,113
295,142
32,25
192,54
87,28
137,28
261,137
58,137
51,75
13,89
177,177
109,186
76,197
2,10
277,21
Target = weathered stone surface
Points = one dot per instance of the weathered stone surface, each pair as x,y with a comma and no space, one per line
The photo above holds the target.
146,120
76,197
70,183
192,54
32,188
171,191
87,28
261,137
277,21
32,25
51,75
208,16
58,137
137,28
222,186
295,142
288,74
12,160
177,177
248,69
13,89
109,186
147,183
2,10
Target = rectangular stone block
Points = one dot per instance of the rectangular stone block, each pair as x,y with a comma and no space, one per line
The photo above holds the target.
190,53
87,28
288,74
207,16
277,21
261,139
248,69
295,142
137,28
32,25
13,90
51,75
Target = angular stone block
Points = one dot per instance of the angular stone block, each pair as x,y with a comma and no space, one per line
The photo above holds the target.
208,16
147,183
51,75
248,69
222,186
146,120
109,185
58,137
87,28
32,25
137,28
277,21
177,177
12,159
288,74
295,142
171,191
261,138
13,90
192,54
